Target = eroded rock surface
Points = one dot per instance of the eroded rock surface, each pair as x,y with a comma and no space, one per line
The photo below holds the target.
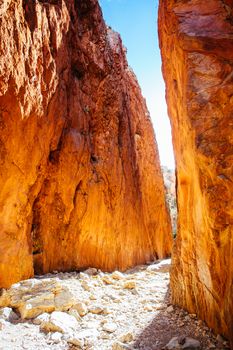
79,169
196,39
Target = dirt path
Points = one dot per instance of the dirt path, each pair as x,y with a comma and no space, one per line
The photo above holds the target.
121,311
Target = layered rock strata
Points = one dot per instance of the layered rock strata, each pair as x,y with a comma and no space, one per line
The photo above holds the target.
80,181
196,40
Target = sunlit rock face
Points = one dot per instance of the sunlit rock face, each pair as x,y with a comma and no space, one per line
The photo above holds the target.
196,39
80,181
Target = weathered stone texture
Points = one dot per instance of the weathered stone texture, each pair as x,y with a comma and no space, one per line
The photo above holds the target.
196,39
80,182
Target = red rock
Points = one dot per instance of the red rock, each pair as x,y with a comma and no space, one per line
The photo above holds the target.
196,39
79,170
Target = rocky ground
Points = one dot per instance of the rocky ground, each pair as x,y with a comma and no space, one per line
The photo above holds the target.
95,310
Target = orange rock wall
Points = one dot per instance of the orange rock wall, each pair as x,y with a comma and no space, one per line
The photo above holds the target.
196,39
80,180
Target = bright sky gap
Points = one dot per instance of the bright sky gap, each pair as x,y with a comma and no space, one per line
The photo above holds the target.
136,21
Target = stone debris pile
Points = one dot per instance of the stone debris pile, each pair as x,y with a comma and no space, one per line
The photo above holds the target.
98,311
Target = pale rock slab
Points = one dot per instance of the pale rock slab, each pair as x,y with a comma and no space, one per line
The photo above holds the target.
60,322
34,297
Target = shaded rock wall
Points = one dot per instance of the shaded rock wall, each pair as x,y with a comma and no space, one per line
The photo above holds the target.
196,40
80,181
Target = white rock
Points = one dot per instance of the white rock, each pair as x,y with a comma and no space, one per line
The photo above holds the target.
161,267
60,322
41,318
84,277
8,314
81,308
3,324
116,275
56,337
88,333
74,313
130,284
110,327
87,337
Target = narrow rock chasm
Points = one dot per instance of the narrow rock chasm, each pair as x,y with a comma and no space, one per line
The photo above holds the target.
82,188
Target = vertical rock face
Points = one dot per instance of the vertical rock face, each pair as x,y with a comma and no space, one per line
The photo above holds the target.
80,182
196,39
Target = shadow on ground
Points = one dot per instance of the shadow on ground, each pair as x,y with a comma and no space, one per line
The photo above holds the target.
176,323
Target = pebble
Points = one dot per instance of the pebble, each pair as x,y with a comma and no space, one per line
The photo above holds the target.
107,279
170,309
74,312
86,286
3,324
91,271
56,337
96,309
121,346
110,327
75,340
81,308
129,285
126,337
116,275
41,318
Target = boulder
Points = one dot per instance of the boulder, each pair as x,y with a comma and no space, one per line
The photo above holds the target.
37,296
60,322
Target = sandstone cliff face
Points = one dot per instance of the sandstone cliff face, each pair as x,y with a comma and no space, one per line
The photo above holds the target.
80,182
196,39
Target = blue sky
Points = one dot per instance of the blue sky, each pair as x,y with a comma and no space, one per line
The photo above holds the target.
136,21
